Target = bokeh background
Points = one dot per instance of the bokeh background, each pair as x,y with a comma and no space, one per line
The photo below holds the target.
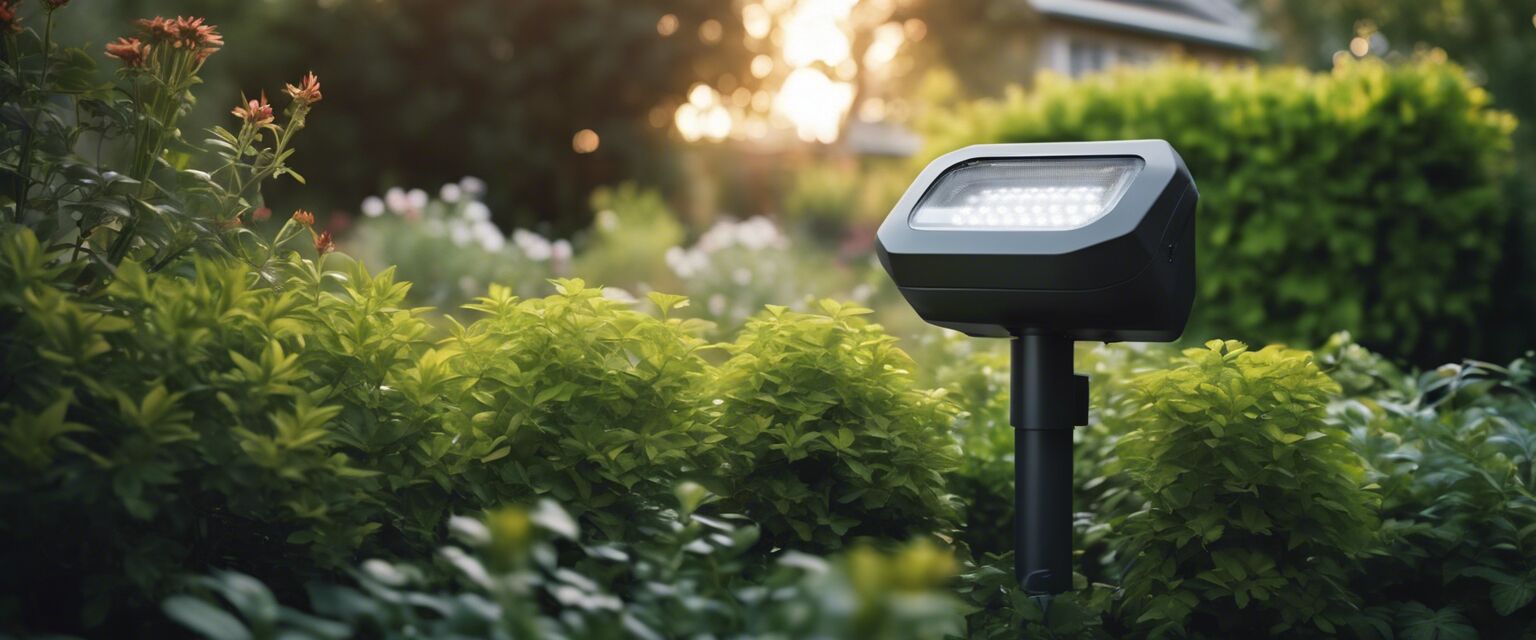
1362,162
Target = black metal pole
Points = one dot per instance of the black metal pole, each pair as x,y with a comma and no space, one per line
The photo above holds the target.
1046,401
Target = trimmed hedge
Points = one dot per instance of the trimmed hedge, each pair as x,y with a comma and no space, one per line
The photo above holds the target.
1367,199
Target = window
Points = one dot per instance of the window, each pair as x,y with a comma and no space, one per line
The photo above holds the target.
1086,56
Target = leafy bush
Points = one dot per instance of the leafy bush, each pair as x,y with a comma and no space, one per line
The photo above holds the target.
191,419
1453,455
977,378
823,436
1366,199
586,401
1256,507
526,573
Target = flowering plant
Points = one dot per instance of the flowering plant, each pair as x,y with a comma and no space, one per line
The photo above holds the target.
736,267
449,246
137,192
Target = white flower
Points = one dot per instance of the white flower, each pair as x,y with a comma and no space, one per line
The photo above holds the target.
758,233
477,211
472,185
719,236
461,234
533,245
417,198
396,201
616,293
742,276
686,262
862,292
717,304
373,206
561,250
489,236
449,193
674,258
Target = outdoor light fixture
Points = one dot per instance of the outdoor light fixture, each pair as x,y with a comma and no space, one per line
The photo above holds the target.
1047,244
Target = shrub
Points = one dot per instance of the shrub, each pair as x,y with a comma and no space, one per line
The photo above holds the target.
1453,455
983,480
1256,507
978,378
823,435
530,573
1366,199
169,421
579,397
1001,610
283,426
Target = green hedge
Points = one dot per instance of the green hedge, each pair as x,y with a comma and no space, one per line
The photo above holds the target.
1367,199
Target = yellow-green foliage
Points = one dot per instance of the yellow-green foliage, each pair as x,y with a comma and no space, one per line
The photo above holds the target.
211,416
587,400
824,436
1255,505
1366,199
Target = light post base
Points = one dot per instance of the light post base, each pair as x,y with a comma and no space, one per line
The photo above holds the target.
1046,400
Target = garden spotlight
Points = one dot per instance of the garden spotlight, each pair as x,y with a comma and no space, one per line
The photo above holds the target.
1047,244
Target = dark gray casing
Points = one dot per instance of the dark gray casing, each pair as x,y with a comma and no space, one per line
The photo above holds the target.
1128,276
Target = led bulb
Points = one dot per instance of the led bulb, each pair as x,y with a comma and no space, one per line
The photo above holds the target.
1026,194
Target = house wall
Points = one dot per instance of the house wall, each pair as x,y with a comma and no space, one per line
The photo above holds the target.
1073,48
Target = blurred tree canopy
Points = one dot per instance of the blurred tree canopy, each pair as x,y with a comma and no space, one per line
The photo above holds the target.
422,92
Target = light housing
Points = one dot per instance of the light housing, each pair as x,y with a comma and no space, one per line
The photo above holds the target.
1119,267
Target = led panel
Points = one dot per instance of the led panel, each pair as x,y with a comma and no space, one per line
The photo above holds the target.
1026,194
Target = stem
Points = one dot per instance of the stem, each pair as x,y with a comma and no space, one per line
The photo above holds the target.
24,162
164,108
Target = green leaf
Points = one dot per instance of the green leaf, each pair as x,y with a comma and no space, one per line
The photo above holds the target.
205,619
1509,598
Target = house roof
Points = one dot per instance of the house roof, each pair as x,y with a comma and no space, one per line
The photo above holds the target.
1218,23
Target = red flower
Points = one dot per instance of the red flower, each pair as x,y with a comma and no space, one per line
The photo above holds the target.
130,51
307,92
157,29
184,32
304,217
203,38
323,243
9,22
256,112
261,214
